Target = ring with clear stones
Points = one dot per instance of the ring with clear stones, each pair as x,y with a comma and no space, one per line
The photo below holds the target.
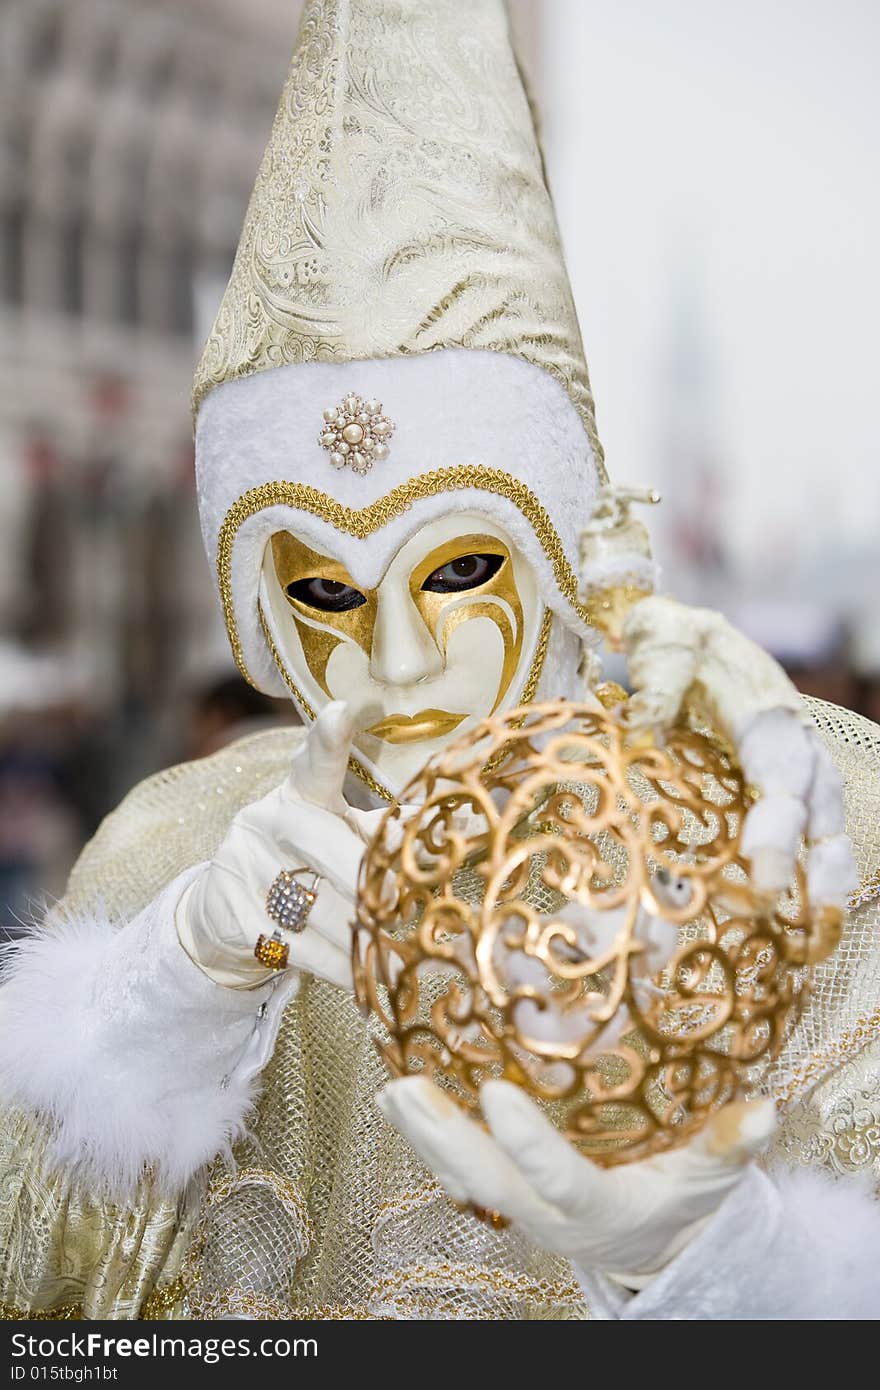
289,902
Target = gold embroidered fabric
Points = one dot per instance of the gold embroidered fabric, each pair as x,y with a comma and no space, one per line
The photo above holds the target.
401,205
837,1124
329,1214
64,1251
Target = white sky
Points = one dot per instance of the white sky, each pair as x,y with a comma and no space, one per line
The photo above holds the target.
726,155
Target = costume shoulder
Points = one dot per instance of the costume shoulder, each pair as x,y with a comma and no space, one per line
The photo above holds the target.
173,820
854,743
825,1079
845,731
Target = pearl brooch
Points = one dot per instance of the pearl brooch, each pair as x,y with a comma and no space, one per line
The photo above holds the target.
356,432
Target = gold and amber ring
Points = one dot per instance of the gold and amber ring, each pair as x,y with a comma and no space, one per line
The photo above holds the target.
272,951
289,902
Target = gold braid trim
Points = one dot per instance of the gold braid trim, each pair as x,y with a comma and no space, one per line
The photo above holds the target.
458,1276
163,1299
867,891
357,767
865,1030
364,521
285,1192
411,1201
228,1303
234,1301
62,1312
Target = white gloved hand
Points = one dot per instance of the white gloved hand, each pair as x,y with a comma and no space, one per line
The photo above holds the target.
306,823
675,652
626,1222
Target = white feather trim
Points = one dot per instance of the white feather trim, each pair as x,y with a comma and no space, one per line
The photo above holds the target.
797,1245
121,1044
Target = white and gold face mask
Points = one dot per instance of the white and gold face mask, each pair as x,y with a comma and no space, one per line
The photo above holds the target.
454,630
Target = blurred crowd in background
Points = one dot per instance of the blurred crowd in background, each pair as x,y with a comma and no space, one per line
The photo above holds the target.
130,134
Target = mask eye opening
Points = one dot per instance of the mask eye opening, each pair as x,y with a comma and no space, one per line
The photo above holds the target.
325,595
447,579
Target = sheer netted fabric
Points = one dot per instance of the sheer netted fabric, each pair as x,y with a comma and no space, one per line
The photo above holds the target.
328,1213
844,1013
827,1078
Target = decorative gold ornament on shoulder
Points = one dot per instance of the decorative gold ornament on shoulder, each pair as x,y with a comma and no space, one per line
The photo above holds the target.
619,964
610,694
607,610
356,432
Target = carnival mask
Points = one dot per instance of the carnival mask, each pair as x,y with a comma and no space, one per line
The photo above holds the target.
449,634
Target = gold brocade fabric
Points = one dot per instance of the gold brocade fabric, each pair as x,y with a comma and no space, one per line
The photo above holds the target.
328,1214
63,1249
400,206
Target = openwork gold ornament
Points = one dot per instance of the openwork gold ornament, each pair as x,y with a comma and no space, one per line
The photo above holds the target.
356,432
572,912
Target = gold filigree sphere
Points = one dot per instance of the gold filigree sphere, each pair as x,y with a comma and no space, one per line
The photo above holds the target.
356,432
616,961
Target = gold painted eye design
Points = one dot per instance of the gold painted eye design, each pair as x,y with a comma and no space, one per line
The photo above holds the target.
468,577
456,577
471,577
327,608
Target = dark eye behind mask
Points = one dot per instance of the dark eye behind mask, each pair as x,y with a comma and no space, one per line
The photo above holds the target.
466,572
327,595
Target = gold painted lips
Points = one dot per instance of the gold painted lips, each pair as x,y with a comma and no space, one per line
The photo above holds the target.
410,728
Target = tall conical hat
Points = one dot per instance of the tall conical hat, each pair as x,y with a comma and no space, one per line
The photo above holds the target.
400,244
401,204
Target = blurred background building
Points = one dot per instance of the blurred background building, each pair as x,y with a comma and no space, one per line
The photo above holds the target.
130,133
714,171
